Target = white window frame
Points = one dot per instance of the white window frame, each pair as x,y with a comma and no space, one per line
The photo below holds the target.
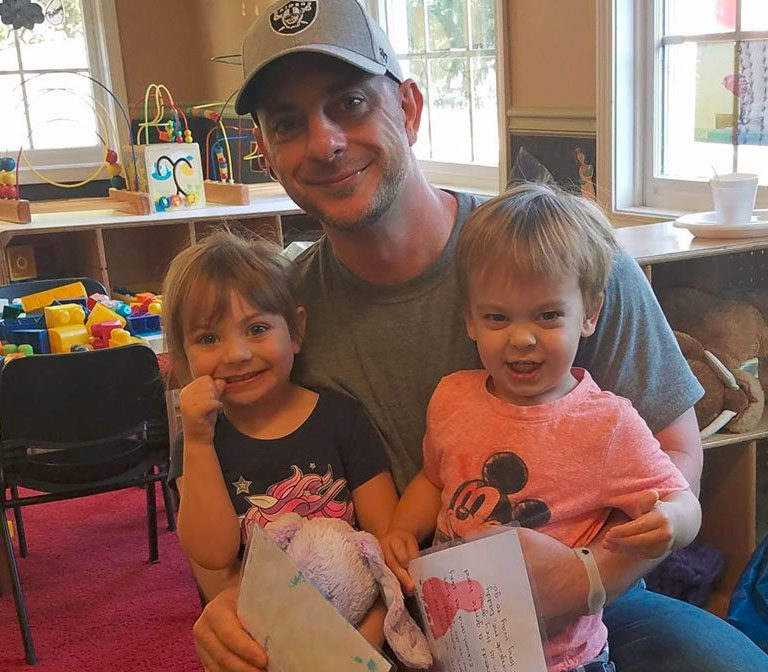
468,176
628,122
106,65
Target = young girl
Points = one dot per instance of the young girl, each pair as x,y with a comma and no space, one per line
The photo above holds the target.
528,438
255,445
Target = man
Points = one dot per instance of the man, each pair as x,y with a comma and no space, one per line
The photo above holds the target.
336,122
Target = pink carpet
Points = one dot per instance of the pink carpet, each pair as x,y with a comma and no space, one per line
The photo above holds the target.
94,601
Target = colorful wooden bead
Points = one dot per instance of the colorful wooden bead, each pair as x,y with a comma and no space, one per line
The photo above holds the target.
7,178
7,163
118,182
111,156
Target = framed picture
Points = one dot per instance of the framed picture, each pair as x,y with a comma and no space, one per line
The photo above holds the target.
563,159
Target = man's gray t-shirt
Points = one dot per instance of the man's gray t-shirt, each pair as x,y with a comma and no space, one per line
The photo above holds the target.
389,345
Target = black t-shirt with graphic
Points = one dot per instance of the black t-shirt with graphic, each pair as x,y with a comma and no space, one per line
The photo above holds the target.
311,472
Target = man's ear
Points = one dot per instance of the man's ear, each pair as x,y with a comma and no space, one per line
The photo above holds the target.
591,316
412,104
301,326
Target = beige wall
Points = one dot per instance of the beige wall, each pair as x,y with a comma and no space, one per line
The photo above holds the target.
550,49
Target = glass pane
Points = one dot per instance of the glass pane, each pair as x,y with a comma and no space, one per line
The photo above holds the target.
405,25
62,112
691,17
753,159
449,110
485,135
754,15
61,46
447,25
751,87
8,58
483,27
417,69
698,110
13,130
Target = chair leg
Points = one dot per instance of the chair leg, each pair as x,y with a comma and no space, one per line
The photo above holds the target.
19,524
21,609
170,512
152,522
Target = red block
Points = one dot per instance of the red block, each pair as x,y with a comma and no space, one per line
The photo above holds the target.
102,330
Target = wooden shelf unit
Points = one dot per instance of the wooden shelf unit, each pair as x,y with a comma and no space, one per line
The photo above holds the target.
670,256
133,251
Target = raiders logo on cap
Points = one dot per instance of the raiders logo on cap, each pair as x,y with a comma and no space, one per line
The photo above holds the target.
293,16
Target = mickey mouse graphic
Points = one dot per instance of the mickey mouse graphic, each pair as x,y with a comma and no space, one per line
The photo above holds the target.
478,503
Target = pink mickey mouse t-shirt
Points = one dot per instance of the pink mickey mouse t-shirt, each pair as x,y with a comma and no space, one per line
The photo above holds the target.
558,467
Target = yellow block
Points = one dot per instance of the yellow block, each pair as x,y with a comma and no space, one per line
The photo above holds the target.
59,316
120,337
63,338
101,313
74,290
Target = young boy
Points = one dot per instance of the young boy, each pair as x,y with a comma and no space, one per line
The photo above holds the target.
529,438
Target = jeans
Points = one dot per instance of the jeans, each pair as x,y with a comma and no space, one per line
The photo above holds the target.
602,663
648,631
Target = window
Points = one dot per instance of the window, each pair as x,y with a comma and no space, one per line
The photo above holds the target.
449,47
51,108
689,81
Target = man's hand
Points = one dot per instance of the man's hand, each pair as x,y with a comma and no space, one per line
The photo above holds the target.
221,642
200,404
400,547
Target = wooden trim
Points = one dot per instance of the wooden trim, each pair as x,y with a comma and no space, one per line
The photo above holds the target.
570,121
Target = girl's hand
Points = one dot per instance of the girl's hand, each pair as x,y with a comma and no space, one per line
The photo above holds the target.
400,547
200,404
650,535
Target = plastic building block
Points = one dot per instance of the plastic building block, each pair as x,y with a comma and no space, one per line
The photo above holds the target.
122,337
143,324
9,348
93,299
101,313
99,343
103,330
60,316
47,297
63,338
25,349
37,338
12,311
81,348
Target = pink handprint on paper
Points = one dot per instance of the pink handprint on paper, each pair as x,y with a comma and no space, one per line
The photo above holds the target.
443,600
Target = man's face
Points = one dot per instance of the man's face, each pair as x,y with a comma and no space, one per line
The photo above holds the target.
335,136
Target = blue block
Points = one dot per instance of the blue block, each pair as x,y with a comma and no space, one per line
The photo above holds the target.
35,321
37,338
142,324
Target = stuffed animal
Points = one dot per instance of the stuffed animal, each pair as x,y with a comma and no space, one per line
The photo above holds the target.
734,329
347,567
733,399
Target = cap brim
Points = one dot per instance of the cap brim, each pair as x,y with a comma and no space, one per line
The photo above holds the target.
246,95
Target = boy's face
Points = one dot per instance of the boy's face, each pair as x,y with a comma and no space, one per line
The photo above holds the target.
527,331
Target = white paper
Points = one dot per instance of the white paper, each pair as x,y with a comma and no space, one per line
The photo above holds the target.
290,618
477,606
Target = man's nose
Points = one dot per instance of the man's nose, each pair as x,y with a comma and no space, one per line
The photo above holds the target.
326,139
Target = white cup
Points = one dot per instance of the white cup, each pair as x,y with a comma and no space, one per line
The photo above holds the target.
734,198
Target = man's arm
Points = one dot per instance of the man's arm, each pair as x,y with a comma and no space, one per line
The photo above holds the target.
560,580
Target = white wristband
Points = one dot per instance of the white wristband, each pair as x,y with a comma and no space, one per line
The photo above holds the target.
596,598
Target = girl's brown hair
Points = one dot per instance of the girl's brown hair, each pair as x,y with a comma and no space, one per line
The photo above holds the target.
200,280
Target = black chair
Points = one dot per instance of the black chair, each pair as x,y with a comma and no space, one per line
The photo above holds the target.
80,424
18,289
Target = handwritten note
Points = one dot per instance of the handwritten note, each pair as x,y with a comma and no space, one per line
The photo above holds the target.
290,618
477,606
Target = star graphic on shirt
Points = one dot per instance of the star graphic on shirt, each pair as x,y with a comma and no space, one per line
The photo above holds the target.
242,486
312,465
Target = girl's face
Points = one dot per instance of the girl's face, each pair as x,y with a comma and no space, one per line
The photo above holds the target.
527,331
250,350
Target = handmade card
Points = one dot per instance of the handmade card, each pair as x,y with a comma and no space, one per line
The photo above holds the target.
296,625
477,606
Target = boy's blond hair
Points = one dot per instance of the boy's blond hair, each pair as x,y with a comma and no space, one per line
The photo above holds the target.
201,278
537,229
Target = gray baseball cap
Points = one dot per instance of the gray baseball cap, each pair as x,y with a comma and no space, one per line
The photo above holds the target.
339,28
